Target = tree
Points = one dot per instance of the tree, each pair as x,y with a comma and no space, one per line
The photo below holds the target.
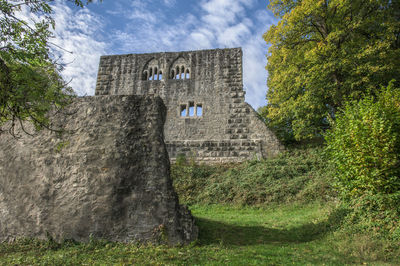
30,81
326,51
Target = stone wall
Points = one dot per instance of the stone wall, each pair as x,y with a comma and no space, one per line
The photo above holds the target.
210,80
107,177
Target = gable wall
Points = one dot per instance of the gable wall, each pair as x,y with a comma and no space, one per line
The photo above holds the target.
227,130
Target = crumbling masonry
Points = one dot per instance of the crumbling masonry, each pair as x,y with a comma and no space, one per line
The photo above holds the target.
207,117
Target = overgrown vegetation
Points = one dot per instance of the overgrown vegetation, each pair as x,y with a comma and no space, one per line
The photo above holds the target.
327,63
364,145
298,175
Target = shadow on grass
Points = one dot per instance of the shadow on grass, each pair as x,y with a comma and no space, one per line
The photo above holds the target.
215,232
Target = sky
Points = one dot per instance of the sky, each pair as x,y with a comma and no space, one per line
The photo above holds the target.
133,26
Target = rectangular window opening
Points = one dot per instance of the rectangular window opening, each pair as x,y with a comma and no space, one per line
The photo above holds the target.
183,110
191,108
199,110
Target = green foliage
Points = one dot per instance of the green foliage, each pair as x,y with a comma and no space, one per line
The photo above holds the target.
30,82
296,176
190,179
364,145
283,130
321,53
374,214
61,145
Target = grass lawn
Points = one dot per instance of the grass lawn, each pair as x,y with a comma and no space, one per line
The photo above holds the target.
281,235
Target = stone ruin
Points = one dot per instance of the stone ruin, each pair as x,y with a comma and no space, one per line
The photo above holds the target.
106,177
207,117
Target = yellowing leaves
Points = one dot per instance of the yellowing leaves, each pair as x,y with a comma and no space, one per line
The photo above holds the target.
329,50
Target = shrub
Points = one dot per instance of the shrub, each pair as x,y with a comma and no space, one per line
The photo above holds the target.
190,178
297,175
364,145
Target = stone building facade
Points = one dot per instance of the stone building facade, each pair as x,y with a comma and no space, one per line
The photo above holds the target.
207,117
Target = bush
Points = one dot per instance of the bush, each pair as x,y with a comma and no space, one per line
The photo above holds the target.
298,175
190,178
377,214
364,145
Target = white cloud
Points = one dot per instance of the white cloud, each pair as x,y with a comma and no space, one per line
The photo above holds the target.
224,7
138,4
254,61
142,10
77,33
198,40
215,23
235,35
145,15
75,44
169,3
254,73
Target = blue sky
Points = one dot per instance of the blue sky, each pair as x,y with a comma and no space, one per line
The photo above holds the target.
132,26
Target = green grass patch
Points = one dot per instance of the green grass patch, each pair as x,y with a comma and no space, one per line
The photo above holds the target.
285,235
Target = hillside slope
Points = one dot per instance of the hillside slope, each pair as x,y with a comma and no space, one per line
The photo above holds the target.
297,175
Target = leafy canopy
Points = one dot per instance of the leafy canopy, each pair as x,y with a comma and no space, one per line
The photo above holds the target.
30,81
323,52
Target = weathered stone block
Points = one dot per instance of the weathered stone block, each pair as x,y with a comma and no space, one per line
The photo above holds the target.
106,177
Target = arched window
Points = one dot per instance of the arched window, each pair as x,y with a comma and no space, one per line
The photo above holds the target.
160,75
155,74
182,72
180,67
151,70
191,108
177,73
